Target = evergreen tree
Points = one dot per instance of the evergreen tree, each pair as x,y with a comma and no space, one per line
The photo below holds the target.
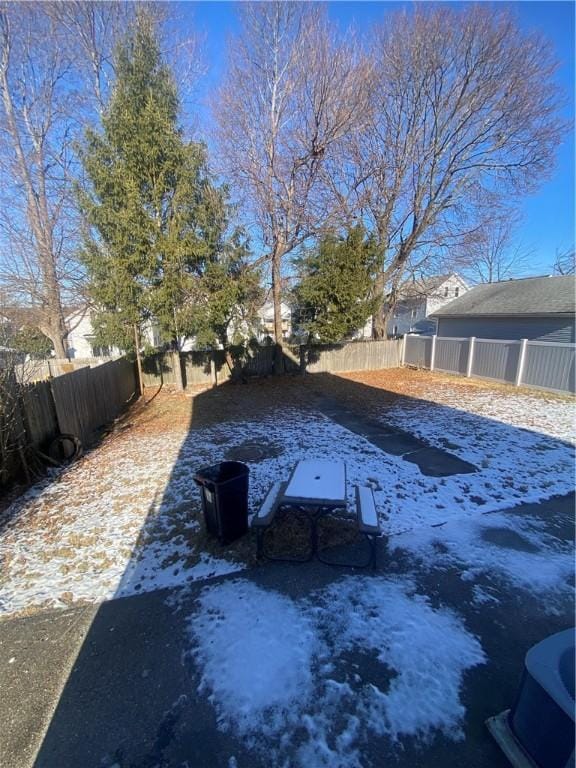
33,342
229,295
156,221
334,295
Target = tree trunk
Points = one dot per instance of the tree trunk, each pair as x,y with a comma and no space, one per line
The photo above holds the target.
59,348
391,277
235,367
277,300
40,218
379,319
55,330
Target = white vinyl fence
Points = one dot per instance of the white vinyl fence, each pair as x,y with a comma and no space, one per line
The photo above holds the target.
538,364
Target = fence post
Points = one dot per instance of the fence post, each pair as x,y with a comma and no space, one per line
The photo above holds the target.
302,358
521,362
470,356
177,368
433,352
213,379
403,353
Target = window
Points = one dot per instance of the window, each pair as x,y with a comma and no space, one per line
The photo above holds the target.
101,351
446,292
456,291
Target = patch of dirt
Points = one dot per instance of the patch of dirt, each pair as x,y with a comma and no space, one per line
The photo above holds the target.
367,390
254,452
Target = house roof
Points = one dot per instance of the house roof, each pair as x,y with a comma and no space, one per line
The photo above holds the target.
425,286
266,312
526,296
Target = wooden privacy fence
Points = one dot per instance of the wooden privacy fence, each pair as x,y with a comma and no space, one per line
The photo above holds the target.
211,368
77,403
88,398
356,356
40,370
39,413
537,364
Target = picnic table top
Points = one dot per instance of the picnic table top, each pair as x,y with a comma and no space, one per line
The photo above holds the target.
317,480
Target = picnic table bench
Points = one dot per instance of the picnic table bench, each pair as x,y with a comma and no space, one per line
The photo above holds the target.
317,488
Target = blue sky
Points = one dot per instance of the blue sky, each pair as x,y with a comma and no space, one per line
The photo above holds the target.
548,215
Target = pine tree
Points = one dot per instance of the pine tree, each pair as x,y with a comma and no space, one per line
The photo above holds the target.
334,295
156,220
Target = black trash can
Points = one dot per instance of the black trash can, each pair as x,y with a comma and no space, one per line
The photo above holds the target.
224,492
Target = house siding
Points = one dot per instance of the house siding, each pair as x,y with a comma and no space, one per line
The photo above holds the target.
552,329
410,313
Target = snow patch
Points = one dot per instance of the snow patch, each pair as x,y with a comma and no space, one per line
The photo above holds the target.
126,519
255,650
280,669
500,547
483,596
427,649
318,479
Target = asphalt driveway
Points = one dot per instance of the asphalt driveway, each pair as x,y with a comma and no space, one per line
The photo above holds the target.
118,686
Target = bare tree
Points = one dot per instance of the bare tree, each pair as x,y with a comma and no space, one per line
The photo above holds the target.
565,262
91,30
464,113
35,167
93,27
47,94
491,253
290,93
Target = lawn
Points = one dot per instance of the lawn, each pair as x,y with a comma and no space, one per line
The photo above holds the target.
306,665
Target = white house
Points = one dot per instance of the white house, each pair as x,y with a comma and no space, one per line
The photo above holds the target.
266,318
81,340
418,299
365,332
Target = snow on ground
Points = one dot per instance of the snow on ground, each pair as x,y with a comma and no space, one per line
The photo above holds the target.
406,499
522,446
109,526
277,670
127,518
467,417
249,637
551,416
508,550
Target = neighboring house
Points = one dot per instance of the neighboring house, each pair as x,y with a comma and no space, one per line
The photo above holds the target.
535,308
365,332
266,318
81,340
260,326
419,299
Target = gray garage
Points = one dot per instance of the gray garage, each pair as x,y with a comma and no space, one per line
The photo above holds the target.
534,308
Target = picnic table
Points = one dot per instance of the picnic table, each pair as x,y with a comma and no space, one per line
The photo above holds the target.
316,484
317,487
